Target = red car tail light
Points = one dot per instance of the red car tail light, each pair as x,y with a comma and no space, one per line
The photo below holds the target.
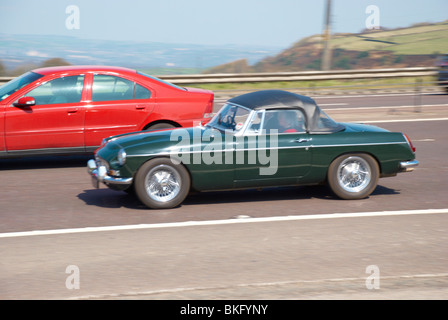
209,107
409,142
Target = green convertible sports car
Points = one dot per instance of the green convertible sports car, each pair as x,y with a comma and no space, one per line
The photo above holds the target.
261,139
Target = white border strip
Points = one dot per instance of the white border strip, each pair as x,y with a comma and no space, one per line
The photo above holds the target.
221,222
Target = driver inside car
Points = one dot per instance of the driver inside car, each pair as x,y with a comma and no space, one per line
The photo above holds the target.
287,121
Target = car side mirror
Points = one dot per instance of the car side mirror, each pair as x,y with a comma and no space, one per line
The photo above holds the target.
25,102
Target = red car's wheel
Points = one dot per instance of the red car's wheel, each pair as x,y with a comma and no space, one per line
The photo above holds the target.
161,125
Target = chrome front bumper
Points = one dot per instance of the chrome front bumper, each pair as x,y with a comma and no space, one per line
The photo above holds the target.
407,166
99,174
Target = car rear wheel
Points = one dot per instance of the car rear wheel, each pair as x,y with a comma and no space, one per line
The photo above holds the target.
160,184
353,176
161,125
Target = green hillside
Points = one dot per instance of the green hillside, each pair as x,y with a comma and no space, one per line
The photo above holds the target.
415,46
415,40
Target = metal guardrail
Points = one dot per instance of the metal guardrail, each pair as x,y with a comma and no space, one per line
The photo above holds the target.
293,76
416,88
301,76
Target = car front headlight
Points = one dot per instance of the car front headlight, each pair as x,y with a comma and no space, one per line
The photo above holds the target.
121,157
101,162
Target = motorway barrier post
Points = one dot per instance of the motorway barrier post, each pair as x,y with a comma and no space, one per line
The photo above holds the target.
418,95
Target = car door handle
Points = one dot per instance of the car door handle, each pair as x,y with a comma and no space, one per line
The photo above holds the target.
140,107
72,110
302,140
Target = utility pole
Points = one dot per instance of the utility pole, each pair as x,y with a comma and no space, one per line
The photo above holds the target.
326,55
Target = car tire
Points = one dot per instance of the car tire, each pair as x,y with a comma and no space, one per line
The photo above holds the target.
161,125
161,184
353,176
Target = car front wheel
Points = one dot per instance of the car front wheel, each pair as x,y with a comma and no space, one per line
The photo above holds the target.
353,176
161,184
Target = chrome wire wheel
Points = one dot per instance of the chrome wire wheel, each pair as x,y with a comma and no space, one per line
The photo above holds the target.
354,174
163,183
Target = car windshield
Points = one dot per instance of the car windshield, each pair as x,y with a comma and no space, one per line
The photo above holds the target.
323,123
230,117
18,83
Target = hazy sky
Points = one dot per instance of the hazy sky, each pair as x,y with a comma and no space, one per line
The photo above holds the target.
278,23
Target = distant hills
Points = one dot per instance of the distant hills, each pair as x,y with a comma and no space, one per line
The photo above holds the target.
21,52
418,45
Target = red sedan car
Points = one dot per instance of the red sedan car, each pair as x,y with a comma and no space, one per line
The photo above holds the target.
64,110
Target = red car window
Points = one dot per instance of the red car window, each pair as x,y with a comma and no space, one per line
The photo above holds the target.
60,90
110,88
141,92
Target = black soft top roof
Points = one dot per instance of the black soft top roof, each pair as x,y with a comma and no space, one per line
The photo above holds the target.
275,99
272,99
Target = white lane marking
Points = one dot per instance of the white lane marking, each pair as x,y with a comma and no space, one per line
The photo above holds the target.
254,285
373,95
221,222
333,104
385,107
426,140
399,120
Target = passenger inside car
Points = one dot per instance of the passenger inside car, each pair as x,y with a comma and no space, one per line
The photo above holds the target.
285,121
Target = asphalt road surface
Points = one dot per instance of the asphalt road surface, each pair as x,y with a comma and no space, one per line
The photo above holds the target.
62,239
